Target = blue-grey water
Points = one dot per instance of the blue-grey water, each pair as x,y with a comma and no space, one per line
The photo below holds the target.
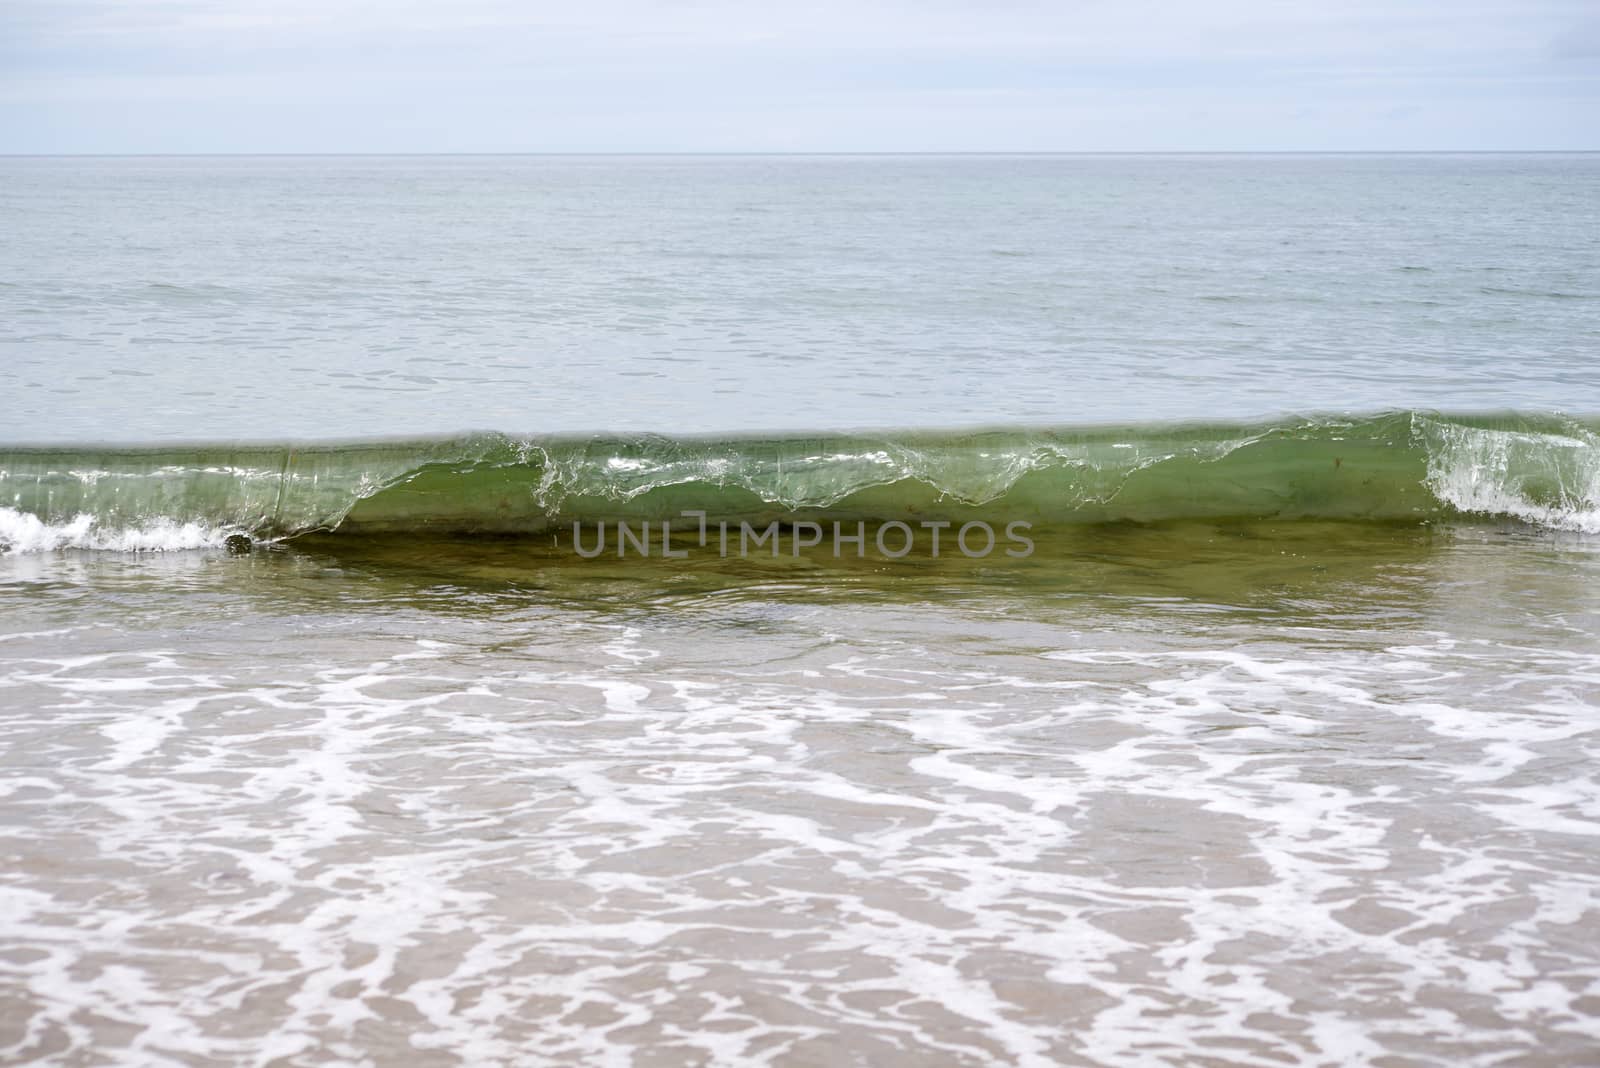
340,297
1281,748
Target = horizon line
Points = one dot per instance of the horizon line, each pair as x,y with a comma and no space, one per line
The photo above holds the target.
824,152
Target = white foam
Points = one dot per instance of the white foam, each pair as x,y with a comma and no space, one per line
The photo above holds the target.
1477,471
559,838
23,532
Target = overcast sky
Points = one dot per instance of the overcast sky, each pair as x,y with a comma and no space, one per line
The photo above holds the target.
809,75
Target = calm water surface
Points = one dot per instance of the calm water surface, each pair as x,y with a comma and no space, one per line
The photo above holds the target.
317,297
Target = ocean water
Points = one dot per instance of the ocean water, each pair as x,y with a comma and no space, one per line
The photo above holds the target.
331,298
800,611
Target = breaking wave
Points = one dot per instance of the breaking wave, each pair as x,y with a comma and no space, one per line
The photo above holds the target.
1396,466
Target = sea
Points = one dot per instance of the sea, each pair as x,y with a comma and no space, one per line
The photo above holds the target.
1083,610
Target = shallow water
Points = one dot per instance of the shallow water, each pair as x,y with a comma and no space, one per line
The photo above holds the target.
1233,793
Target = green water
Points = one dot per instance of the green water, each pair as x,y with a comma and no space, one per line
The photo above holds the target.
1412,466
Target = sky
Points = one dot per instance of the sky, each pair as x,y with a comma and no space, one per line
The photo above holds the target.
203,76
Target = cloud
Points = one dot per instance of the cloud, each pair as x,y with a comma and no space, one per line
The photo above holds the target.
1580,41
84,75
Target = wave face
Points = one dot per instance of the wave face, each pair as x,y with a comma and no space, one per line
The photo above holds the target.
1395,466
